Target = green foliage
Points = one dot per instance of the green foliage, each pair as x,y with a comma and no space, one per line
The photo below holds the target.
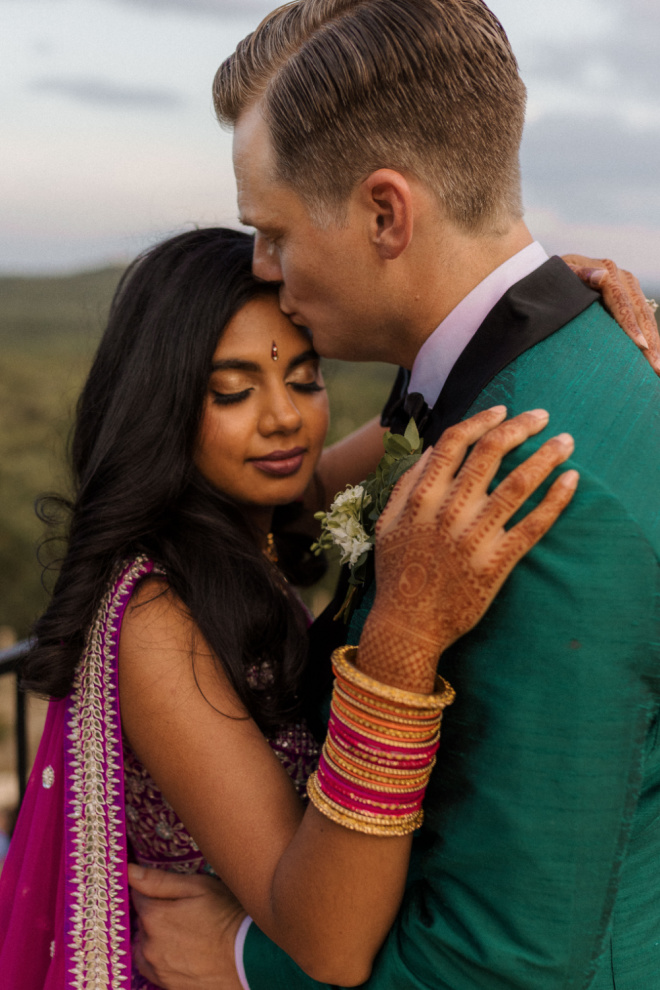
350,523
401,452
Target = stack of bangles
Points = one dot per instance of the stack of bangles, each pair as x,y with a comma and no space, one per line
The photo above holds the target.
379,751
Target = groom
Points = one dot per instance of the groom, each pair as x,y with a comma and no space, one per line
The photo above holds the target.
376,152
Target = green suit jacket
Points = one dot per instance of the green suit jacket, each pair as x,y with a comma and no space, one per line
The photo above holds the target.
538,865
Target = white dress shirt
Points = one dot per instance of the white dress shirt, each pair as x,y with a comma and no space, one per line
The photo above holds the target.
440,352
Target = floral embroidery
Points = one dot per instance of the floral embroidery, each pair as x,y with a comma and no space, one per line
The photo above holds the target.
48,777
97,948
106,806
159,837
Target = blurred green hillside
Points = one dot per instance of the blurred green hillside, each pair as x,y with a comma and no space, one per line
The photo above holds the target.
48,331
49,328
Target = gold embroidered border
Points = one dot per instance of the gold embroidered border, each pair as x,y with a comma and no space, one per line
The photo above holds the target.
98,919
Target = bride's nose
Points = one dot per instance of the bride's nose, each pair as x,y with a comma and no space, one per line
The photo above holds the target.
280,413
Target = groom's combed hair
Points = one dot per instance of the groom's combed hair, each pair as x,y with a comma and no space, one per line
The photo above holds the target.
428,87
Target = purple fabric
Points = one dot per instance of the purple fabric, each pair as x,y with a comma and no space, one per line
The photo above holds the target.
64,906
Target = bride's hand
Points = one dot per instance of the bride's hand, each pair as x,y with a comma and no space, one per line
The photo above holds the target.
623,296
442,552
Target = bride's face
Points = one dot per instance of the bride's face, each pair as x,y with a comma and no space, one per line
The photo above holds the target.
266,410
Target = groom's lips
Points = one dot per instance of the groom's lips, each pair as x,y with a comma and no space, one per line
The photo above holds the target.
281,462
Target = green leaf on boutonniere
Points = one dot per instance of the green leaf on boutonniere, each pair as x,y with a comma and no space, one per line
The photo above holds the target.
350,523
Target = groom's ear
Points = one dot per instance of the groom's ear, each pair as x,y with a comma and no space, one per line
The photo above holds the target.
388,198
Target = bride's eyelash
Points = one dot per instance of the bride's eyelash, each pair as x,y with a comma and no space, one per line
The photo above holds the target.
229,398
307,386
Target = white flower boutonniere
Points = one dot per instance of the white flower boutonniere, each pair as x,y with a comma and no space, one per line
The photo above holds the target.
342,525
350,523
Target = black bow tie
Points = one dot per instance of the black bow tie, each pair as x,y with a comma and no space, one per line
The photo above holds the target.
416,406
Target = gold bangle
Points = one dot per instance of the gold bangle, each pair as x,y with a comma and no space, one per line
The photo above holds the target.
375,754
370,733
393,775
342,661
407,735
387,786
370,825
361,702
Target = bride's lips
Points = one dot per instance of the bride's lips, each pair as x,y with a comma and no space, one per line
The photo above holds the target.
281,462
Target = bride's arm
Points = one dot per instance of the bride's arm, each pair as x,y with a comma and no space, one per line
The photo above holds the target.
326,894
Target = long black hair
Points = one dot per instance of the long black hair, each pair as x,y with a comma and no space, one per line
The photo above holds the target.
137,491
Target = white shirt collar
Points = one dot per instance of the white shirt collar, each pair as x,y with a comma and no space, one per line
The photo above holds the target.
440,352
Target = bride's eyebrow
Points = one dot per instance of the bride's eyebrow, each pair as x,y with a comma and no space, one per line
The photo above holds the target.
236,364
308,355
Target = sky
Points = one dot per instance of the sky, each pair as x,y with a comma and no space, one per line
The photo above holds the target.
109,142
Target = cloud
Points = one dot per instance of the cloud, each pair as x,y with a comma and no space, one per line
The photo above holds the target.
593,168
106,93
616,72
633,247
251,9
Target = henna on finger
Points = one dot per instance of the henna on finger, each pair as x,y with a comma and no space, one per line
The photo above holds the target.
645,318
434,492
527,533
618,300
516,488
435,581
485,458
636,320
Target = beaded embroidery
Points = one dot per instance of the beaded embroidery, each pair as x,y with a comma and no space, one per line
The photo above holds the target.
159,838
97,940
107,807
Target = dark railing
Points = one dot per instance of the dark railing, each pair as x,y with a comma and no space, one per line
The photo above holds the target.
9,660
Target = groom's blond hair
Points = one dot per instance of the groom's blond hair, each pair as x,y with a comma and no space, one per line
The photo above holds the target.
427,87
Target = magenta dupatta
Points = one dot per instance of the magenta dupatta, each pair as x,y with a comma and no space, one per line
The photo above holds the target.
64,906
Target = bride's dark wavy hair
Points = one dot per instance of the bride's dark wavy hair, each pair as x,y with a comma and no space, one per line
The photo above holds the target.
137,490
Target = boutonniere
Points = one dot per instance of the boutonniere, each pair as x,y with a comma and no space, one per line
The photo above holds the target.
350,522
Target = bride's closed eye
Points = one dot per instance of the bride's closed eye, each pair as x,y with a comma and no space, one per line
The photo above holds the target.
307,386
306,378
229,398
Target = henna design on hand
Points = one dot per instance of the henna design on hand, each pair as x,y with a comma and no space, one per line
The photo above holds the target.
624,298
442,552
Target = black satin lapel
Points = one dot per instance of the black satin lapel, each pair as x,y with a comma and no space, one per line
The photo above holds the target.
532,310
394,416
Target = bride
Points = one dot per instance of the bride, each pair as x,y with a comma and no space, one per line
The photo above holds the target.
175,652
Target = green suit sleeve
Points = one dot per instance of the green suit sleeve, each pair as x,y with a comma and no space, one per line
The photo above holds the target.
544,760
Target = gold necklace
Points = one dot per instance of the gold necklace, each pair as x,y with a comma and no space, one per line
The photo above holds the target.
270,549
